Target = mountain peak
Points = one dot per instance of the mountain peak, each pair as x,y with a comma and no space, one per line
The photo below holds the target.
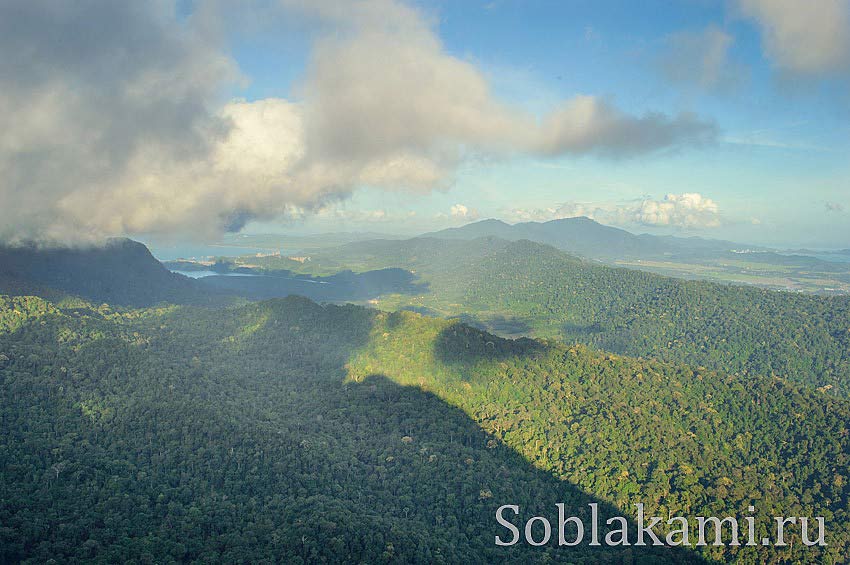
573,219
488,222
581,235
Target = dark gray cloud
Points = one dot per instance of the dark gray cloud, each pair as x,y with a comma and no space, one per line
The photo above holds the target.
112,118
587,124
87,91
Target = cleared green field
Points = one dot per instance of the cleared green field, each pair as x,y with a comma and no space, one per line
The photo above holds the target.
766,275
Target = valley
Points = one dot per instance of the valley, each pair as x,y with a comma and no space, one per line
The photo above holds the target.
713,397
524,288
398,282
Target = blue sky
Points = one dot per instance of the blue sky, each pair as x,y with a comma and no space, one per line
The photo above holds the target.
778,169
187,119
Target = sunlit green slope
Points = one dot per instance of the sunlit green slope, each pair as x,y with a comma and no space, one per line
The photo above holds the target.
287,430
524,288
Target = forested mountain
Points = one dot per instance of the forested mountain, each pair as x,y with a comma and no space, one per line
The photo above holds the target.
124,273
288,431
588,238
684,257
284,369
513,288
736,329
527,288
305,432
120,272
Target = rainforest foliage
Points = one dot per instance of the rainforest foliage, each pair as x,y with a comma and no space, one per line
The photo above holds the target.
525,288
289,431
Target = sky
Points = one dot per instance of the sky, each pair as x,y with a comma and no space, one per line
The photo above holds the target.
186,120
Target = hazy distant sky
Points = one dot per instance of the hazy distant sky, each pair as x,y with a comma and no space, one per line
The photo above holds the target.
779,170
723,119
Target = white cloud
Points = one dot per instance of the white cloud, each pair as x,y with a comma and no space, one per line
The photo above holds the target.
686,211
111,119
91,95
462,212
834,207
587,124
803,37
565,210
458,213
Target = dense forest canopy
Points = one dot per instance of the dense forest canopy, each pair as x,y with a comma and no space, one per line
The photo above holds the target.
510,288
280,370
304,432
525,288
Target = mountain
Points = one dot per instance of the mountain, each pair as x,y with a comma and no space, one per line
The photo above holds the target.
527,288
588,238
120,272
306,432
482,228
513,288
293,432
682,257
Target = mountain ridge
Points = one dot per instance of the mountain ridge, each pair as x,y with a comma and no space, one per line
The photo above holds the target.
299,412
119,272
586,237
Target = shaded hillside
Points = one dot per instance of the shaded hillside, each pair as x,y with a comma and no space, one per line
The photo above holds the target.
121,272
684,441
124,273
306,433
528,288
235,436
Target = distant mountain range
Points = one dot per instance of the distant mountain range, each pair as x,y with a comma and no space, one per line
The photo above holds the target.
124,272
282,415
588,238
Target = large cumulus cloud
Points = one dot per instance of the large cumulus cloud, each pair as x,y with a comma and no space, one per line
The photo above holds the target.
112,119
689,211
803,38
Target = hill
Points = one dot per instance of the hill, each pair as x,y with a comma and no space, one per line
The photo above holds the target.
124,273
588,238
120,272
683,257
303,432
525,288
